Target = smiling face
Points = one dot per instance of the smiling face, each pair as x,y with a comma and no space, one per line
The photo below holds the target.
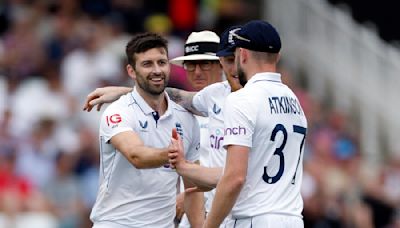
229,67
151,71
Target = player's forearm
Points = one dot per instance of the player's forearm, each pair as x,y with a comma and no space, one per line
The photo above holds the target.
200,175
147,157
183,98
225,197
194,208
121,89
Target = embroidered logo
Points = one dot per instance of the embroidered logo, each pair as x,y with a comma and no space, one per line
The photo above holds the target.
143,125
231,41
216,109
179,129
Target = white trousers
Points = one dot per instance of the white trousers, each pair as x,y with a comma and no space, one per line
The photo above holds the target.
267,221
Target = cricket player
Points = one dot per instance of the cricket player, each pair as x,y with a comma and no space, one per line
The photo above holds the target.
264,135
137,185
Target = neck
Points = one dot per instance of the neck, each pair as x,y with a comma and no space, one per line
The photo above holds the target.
259,68
157,102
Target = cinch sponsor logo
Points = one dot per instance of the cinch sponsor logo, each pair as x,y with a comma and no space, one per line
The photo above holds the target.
113,119
235,131
216,139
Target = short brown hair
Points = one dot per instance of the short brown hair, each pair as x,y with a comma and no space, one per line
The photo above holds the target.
142,42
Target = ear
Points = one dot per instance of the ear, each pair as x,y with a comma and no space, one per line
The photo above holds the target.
131,71
278,58
244,55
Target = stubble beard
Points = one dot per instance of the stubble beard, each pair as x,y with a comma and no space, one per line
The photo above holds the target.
144,84
241,75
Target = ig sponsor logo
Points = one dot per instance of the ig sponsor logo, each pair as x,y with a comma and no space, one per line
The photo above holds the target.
113,119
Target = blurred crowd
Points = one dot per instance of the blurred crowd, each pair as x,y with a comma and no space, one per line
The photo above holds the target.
54,52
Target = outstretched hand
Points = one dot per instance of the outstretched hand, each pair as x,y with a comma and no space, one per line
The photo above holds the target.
176,157
104,95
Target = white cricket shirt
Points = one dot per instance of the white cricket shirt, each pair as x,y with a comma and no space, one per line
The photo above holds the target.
133,197
204,152
210,101
266,116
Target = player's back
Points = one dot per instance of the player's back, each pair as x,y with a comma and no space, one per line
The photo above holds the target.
268,118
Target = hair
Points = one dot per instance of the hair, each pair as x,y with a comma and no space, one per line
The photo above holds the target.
271,58
141,43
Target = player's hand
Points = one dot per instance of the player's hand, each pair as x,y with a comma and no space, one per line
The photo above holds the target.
104,95
176,157
198,189
180,210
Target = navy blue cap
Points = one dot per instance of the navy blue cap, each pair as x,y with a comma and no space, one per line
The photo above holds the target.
226,46
259,36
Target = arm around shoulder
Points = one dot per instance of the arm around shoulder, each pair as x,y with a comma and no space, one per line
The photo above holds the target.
104,95
183,98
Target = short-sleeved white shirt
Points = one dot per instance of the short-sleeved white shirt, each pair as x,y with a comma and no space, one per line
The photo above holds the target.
204,150
266,116
210,101
134,197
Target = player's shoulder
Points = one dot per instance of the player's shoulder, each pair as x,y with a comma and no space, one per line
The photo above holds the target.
180,111
123,104
241,97
176,107
217,87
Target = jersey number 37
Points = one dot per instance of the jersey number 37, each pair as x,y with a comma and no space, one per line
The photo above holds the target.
279,152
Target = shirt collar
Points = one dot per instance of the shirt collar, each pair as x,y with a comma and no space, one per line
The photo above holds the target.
146,109
265,76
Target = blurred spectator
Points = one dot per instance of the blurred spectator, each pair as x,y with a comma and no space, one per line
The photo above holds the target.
132,13
18,195
23,54
15,190
61,42
86,67
88,171
35,158
63,192
47,90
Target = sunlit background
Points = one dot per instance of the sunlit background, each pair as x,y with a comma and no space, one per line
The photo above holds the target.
340,57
